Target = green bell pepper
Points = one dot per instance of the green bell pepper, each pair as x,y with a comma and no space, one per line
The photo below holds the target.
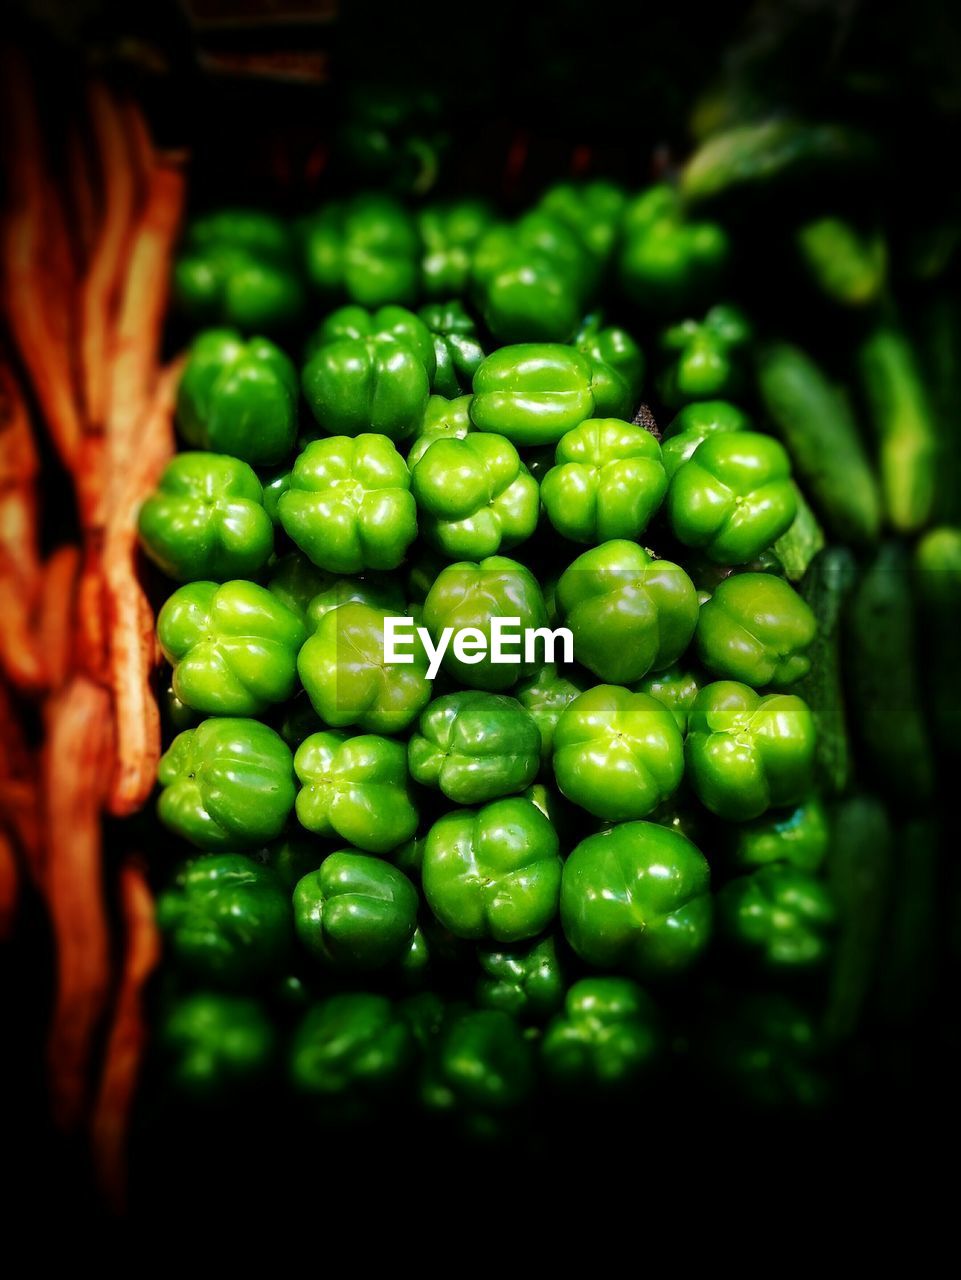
617,754
215,1044
474,496
534,393
746,753
606,1037
475,747
466,595
629,614
526,981
206,519
227,784
442,420
239,398
637,897
608,481
233,647
780,915
733,496
756,629
227,920
667,263
379,591
592,210
480,1062
355,912
356,788
493,872
365,249
707,363
349,505
675,688
693,424
617,349
295,581
545,695
798,837
449,233
395,324
352,1046
458,352
342,667
357,385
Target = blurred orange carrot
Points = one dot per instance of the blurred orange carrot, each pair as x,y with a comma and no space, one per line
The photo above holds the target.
20,571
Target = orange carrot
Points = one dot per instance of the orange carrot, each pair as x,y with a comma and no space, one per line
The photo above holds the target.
75,765
19,809
55,625
127,1038
20,571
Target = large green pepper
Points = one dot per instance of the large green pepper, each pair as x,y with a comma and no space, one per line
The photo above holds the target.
617,349
475,496
227,920
706,365
606,1037
356,788
608,482
366,249
233,647
349,505
442,420
617,754
667,263
526,981
746,753
215,1043
637,897
676,688
357,385
353,1046
481,1062
239,398
545,695
466,595
347,679
693,424
458,353
733,497
798,837
228,783
355,912
493,872
629,614
206,519
756,629
475,747
449,233
780,914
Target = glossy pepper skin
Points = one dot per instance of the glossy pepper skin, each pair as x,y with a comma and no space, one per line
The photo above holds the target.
351,1046
493,872
607,1035
475,747
545,695
227,784
707,363
357,385
474,496
733,497
349,506
233,647
617,349
470,595
449,233
379,591
781,915
206,519
617,754
799,837
355,913
746,753
756,629
396,324
480,1063
667,262
629,614
348,682
591,210
215,1043
356,788
239,398
227,920
458,352
442,420
693,424
607,482
526,981
534,393
636,897
675,688
365,249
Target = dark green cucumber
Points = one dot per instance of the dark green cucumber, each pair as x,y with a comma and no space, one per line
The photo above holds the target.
803,540
913,929
938,577
815,423
825,587
939,348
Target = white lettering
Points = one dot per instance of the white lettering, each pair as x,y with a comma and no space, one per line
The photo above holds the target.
392,626
435,655
550,638
470,645
500,637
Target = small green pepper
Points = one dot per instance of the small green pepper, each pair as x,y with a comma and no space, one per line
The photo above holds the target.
355,912
606,1037
227,920
618,350
480,1062
706,365
458,352
781,915
356,788
239,398
395,324
358,385
349,505
693,424
607,483
351,1046
449,233
229,783
206,519
629,614
798,837
233,647
545,695
675,688
666,262
493,872
215,1043
475,747
637,897
442,420
746,753
592,210
756,629
526,981
365,249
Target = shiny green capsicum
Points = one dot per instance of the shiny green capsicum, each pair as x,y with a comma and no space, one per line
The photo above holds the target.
442,420
366,249
799,837
351,1047
475,747
480,1062
592,210
693,424
215,1043
545,695
676,688
781,915
707,364
355,912
526,981
607,1035
667,262
617,349
449,233
757,629
458,352
357,385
